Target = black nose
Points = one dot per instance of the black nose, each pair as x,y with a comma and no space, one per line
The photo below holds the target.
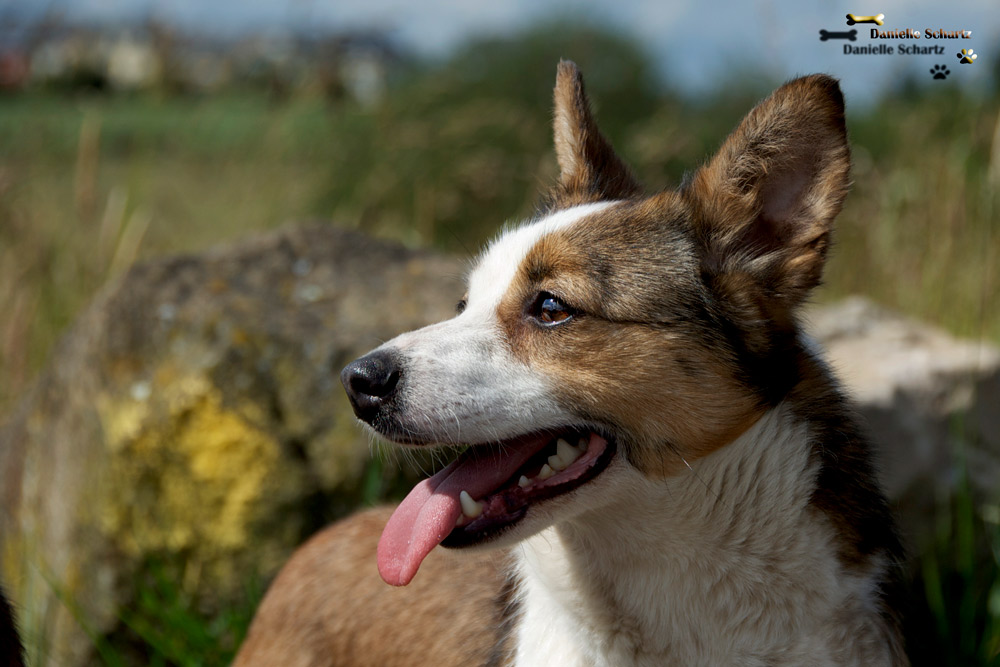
370,382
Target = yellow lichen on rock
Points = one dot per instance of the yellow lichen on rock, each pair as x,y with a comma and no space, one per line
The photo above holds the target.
122,421
189,474
232,462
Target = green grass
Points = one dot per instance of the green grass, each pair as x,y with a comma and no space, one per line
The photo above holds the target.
955,590
87,186
90,184
168,627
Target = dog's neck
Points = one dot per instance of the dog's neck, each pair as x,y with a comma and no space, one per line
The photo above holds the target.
723,565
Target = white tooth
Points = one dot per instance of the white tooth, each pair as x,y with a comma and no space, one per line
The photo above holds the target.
567,452
584,442
556,462
545,472
523,482
470,507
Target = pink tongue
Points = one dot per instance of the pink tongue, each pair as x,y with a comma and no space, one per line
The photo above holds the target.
428,514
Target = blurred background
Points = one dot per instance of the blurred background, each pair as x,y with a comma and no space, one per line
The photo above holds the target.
132,130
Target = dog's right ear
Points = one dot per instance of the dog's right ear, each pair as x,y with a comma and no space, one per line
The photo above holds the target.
764,205
590,170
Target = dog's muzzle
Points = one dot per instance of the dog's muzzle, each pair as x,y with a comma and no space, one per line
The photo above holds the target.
371,382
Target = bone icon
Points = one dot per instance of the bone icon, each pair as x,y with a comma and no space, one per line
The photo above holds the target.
829,34
877,20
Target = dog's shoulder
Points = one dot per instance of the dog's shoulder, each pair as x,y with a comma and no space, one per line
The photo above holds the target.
461,600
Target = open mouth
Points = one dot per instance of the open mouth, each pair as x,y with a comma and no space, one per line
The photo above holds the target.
484,492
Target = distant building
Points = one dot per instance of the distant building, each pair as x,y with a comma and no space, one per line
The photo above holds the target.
155,56
14,67
132,63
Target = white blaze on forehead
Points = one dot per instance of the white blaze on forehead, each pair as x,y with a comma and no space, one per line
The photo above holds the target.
462,384
498,265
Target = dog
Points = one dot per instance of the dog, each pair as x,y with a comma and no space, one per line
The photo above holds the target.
660,468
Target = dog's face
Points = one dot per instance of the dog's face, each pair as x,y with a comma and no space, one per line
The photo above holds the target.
641,332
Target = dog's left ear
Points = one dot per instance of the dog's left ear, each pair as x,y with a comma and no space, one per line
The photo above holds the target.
590,170
764,206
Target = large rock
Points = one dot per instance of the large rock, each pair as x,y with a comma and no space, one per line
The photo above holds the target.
931,402
194,414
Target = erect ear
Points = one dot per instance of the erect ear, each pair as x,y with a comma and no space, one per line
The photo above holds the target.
590,170
764,205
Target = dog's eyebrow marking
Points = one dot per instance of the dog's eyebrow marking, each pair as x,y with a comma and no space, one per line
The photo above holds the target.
498,265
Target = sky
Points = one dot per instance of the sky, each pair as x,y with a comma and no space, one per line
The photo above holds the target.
693,43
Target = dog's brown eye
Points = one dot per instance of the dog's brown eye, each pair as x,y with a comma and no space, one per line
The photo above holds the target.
460,306
549,310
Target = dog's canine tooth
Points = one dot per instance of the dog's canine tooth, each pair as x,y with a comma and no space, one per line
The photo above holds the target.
523,482
557,463
567,452
545,472
470,507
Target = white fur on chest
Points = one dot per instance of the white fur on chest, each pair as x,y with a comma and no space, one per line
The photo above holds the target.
726,565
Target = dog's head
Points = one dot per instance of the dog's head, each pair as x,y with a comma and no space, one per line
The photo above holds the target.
618,331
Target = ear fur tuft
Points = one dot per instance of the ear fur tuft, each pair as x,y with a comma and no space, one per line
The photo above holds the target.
590,170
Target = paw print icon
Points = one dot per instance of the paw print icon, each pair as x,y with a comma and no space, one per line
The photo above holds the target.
940,72
966,56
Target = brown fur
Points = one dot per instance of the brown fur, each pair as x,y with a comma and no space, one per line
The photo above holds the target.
763,207
329,607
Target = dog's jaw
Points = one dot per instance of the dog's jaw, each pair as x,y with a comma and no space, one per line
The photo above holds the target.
485,494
